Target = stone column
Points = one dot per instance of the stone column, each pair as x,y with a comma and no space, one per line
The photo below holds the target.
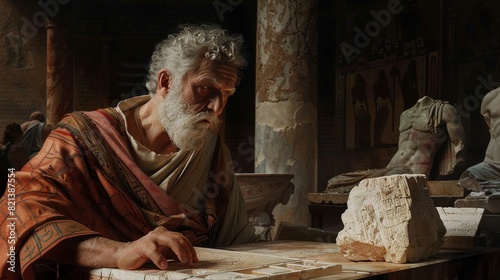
286,99
59,74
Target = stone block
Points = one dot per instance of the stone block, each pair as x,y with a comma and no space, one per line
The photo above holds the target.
391,219
445,188
328,198
288,231
461,226
479,200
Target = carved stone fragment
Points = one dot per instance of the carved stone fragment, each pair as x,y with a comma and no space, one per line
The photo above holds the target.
461,224
392,219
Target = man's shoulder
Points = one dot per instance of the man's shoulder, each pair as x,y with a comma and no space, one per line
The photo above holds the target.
491,101
450,113
29,125
104,113
90,120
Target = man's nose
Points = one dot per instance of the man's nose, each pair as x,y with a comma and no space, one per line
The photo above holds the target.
216,103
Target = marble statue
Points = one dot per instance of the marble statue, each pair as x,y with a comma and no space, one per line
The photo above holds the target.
430,125
485,176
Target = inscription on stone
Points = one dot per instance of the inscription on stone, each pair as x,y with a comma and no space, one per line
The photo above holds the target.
392,219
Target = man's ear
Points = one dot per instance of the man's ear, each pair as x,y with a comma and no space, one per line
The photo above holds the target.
164,79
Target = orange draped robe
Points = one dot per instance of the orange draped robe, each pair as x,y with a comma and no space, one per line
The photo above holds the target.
84,182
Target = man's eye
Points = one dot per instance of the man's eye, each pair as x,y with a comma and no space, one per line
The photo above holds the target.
204,90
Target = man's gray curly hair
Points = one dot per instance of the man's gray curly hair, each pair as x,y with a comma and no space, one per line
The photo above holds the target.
184,51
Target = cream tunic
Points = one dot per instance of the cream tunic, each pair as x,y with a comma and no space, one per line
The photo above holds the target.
176,171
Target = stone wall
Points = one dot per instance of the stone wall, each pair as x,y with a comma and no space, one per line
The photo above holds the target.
22,61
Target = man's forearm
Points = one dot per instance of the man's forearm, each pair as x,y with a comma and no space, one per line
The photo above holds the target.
85,251
97,251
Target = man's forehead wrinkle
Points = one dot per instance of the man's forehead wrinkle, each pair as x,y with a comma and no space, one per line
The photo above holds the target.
219,68
216,77
207,79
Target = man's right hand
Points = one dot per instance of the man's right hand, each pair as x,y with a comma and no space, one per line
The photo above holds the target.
156,246
96,252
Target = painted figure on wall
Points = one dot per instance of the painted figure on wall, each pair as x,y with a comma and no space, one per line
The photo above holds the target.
382,98
361,113
409,85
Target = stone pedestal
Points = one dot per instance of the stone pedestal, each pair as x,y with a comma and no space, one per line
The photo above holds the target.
488,203
461,224
262,192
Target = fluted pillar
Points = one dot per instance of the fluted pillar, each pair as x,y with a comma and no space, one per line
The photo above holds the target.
286,99
59,74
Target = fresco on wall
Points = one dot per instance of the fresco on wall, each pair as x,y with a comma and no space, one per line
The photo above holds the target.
387,59
376,98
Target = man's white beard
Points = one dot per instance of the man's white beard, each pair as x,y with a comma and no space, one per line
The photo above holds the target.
182,125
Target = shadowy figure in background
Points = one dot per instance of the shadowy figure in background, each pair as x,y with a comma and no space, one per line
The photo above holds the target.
12,153
35,132
485,176
425,128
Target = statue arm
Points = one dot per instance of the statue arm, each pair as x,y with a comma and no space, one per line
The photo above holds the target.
486,106
455,130
487,119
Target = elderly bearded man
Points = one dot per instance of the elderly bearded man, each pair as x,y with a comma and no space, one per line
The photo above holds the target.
141,182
